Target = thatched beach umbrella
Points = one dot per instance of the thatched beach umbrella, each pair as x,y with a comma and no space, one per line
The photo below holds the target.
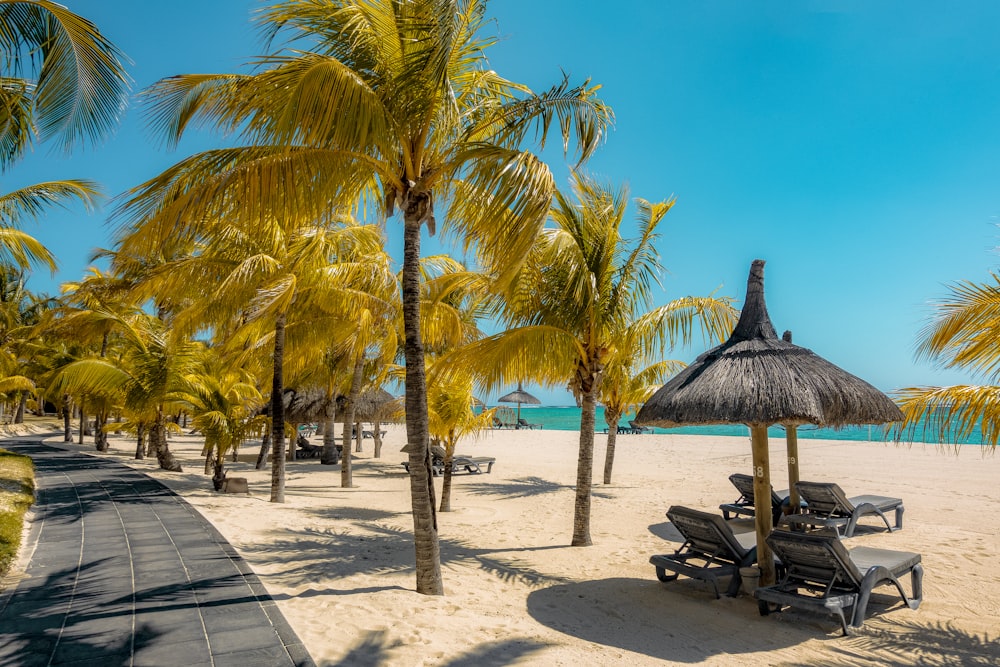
757,379
519,396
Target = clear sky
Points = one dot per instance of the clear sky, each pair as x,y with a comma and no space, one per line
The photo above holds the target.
853,145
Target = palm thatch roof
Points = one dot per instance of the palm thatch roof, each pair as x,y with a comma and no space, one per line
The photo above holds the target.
755,378
519,396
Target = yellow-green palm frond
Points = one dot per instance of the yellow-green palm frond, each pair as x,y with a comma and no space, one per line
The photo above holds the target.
23,250
500,202
82,87
674,323
16,128
576,111
240,186
12,383
499,359
950,414
965,328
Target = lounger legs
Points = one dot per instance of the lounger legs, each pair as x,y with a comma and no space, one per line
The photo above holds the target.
878,575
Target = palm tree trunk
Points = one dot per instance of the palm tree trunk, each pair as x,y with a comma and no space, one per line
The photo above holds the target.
584,472
425,529
100,435
377,438
265,444
611,418
140,442
67,418
278,414
158,441
330,456
346,471
83,423
21,405
449,451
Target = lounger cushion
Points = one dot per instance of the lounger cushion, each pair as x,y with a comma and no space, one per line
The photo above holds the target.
897,562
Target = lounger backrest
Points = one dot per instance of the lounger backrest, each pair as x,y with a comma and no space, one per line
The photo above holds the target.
825,498
816,557
744,484
437,452
708,533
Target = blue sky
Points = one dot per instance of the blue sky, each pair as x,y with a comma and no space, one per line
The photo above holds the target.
852,145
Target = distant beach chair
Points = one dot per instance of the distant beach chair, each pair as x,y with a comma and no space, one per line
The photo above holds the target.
828,506
473,465
523,423
744,505
710,550
832,579
639,430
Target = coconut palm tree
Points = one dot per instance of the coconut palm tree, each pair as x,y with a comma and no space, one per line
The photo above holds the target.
391,104
963,335
255,285
452,416
581,286
626,386
145,376
224,406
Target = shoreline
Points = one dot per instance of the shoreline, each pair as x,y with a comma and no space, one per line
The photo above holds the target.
339,562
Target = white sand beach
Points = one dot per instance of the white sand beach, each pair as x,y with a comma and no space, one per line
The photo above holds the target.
340,561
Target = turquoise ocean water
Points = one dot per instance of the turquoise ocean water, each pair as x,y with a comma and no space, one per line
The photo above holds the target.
568,419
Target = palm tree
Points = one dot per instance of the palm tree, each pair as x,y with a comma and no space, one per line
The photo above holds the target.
962,334
452,416
393,105
223,403
625,386
255,285
580,288
146,376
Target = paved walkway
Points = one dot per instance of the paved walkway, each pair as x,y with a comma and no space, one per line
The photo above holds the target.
123,571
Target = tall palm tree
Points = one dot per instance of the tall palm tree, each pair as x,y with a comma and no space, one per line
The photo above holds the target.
581,286
391,104
963,335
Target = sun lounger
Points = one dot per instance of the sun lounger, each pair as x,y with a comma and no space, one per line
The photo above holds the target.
710,550
637,429
744,505
822,575
523,423
472,465
829,507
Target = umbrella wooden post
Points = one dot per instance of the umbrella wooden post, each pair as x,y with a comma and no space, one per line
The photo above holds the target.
762,500
792,440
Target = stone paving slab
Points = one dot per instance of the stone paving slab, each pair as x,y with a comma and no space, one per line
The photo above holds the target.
125,572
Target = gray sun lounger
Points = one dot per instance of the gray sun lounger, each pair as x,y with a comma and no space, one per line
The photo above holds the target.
822,575
473,465
744,505
829,507
710,550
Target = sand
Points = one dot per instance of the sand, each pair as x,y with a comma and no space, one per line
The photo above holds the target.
340,561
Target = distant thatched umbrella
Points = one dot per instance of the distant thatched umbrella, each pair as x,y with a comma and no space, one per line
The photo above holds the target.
302,406
519,396
757,379
372,405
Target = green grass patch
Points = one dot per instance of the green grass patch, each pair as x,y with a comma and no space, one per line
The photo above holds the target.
17,492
